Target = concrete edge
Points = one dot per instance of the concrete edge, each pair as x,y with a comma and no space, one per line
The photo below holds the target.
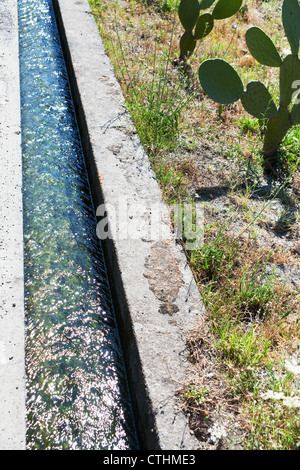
12,321
155,296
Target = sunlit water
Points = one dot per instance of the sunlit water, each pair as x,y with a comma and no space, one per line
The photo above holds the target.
76,383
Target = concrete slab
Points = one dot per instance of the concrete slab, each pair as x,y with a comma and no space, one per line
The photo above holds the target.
12,326
155,296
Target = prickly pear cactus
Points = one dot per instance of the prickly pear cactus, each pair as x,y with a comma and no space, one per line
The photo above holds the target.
188,12
257,101
291,22
215,74
220,81
197,25
262,47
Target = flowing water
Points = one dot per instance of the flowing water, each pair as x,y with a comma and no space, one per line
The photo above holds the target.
77,395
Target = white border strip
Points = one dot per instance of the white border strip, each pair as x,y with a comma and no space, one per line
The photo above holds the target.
12,326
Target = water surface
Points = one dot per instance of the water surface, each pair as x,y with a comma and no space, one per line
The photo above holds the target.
77,394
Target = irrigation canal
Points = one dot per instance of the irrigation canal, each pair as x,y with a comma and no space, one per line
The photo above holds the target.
77,394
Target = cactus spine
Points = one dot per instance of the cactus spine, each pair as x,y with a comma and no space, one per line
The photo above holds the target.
197,25
256,99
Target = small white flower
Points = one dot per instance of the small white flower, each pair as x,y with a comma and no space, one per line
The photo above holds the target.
274,395
292,402
217,432
293,367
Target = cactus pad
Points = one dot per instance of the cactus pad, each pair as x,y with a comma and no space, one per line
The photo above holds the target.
204,26
277,128
187,44
206,4
289,73
188,12
257,101
226,8
262,47
291,23
220,81
295,114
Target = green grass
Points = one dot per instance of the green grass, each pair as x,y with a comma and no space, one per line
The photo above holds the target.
215,258
275,422
238,347
246,305
256,291
196,395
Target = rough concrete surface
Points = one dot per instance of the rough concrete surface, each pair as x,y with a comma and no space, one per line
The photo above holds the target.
155,296
12,357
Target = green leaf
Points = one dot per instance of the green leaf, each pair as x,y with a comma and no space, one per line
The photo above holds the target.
188,12
206,4
291,23
220,81
289,74
257,101
204,26
262,47
226,8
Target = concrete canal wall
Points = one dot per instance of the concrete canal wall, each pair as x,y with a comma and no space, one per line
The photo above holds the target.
156,299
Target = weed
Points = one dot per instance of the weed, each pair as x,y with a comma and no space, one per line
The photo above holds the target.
274,422
273,426
238,347
256,291
217,257
194,394
172,180
155,105
249,126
